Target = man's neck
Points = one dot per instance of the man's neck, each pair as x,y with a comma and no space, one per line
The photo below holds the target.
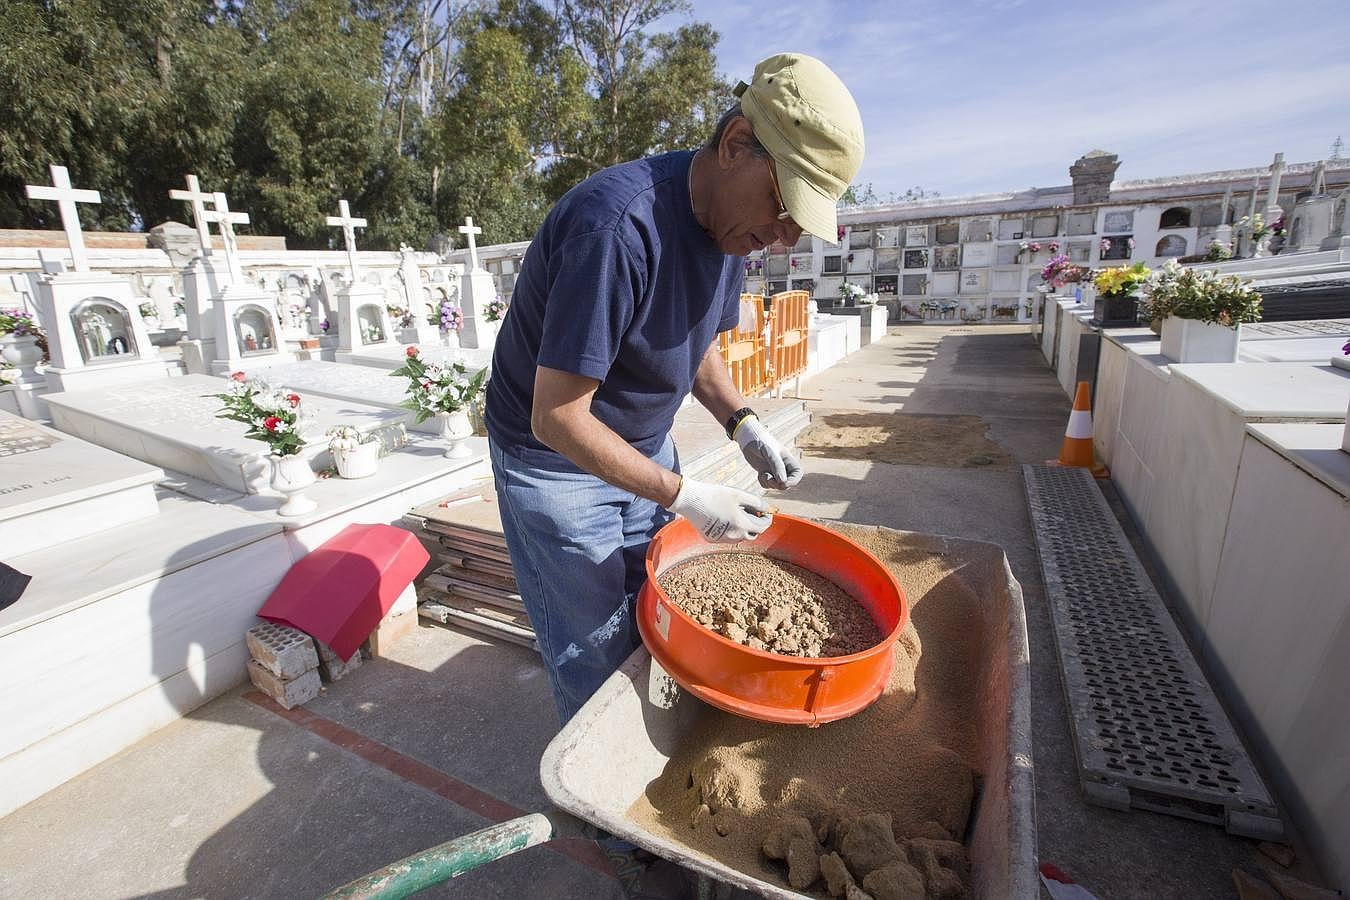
698,189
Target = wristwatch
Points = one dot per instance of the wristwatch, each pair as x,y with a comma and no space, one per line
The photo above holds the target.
736,419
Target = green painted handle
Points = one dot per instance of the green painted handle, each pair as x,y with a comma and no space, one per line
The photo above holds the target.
445,861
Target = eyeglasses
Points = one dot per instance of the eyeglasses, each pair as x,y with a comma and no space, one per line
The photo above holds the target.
783,214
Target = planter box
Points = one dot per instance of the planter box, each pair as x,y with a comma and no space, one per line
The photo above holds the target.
1192,341
1115,310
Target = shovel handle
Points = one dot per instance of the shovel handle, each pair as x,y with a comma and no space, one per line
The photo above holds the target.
450,859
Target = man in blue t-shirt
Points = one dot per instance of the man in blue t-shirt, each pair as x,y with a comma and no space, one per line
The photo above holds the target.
613,322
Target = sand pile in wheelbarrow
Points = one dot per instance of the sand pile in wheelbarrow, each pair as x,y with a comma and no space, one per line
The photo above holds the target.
769,604
875,805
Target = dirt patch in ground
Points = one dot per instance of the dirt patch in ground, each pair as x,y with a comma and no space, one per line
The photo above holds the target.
880,800
769,604
918,439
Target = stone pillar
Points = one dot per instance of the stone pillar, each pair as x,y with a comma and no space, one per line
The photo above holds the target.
1092,175
477,288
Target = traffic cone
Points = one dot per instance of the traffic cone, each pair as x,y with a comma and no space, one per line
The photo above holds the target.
1076,451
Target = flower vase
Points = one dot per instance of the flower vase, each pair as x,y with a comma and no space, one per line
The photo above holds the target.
456,430
360,461
23,352
450,338
290,476
1192,341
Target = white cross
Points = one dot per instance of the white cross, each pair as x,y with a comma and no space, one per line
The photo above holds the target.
471,229
222,216
348,224
66,197
198,198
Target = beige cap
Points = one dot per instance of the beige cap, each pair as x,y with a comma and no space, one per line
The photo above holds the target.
807,120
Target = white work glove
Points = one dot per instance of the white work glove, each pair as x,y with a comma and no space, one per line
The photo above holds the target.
721,513
778,467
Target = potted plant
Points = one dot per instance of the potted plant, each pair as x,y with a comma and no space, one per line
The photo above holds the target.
356,455
1201,312
1059,273
20,342
493,315
273,416
444,391
1117,299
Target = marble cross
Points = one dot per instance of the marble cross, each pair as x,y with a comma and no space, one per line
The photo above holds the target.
66,197
198,198
222,216
1276,172
471,229
348,224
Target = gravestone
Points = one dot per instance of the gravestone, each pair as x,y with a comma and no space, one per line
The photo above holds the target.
94,333
916,259
947,233
477,289
203,274
363,321
943,284
977,255
244,318
974,281
174,423
916,236
1081,223
1011,229
55,488
1118,221
416,299
947,259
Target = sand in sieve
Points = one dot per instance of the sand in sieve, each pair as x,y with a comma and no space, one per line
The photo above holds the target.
910,754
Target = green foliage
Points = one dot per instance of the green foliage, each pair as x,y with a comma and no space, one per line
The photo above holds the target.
272,415
419,112
434,389
1200,294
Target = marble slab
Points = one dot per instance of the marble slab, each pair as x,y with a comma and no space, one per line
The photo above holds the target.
1292,350
1316,449
55,488
393,357
173,423
1274,391
346,381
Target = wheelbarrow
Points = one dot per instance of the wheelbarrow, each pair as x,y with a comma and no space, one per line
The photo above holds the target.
605,757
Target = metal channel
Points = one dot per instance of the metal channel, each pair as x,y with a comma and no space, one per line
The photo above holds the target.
1148,731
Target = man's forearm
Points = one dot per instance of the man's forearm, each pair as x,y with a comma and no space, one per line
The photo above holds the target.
713,387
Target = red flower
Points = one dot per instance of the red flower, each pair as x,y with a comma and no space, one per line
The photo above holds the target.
271,423
412,351
293,400
236,376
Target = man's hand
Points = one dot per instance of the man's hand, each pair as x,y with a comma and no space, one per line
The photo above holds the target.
777,466
721,513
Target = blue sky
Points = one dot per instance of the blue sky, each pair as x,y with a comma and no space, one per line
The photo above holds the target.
967,96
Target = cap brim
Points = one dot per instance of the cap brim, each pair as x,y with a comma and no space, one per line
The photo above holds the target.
813,210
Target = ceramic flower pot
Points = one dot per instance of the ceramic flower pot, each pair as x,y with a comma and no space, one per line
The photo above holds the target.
1116,310
290,476
456,429
21,352
360,461
1193,341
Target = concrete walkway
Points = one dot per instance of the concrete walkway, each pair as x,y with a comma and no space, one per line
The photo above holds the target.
241,800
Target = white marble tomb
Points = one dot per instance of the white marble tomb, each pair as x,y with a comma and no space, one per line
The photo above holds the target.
55,488
173,423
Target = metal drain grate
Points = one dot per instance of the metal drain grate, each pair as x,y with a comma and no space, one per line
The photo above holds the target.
1148,731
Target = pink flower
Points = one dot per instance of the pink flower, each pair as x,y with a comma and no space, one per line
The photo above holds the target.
411,351
271,423
236,376
1035,246
293,400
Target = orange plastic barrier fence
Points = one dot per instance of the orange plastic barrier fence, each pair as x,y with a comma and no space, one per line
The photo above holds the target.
745,349
789,320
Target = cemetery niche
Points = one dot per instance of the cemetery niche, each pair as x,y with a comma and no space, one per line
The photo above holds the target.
885,285
1011,229
103,329
914,285
888,236
916,236
979,230
916,259
253,330
1081,223
832,264
860,239
947,259
1118,221
1172,245
947,233
370,320
887,260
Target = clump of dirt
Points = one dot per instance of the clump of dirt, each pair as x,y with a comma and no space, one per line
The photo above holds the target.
769,604
919,439
881,799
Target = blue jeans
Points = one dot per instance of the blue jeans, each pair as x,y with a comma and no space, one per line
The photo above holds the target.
578,547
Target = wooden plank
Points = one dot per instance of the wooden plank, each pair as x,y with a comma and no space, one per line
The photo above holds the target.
446,615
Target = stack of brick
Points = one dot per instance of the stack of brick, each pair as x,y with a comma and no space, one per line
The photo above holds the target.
288,665
284,664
